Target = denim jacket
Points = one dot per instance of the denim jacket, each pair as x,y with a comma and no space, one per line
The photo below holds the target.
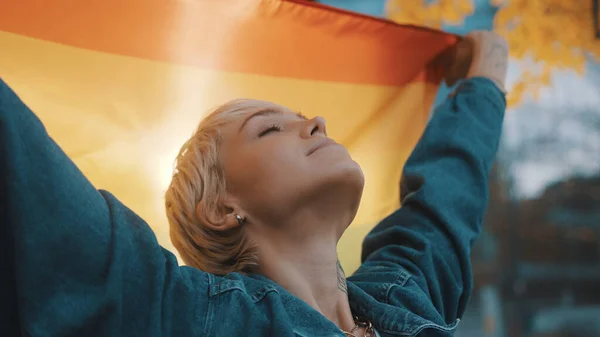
74,261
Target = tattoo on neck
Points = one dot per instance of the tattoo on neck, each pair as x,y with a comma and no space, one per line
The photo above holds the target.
341,278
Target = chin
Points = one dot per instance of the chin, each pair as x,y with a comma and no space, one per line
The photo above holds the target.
346,176
355,173
351,182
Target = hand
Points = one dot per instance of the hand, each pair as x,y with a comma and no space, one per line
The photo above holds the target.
479,54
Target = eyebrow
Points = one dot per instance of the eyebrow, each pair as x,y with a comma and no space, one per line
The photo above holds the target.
265,113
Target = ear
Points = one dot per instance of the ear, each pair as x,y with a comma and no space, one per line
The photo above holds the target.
221,218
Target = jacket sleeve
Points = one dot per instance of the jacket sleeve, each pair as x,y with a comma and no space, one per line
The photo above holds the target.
445,192
75,261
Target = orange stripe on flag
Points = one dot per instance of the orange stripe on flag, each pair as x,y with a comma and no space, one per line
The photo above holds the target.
269,37
121,84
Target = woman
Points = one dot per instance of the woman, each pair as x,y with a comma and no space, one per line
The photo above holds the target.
256,207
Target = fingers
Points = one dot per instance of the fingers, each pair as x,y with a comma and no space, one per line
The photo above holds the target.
479,54
461,56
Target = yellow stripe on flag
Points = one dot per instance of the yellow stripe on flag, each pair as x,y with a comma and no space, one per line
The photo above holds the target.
122,117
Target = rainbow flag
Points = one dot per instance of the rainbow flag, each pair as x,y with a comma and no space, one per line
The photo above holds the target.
121,84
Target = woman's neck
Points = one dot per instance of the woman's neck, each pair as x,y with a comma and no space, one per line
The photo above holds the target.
300,254
311,273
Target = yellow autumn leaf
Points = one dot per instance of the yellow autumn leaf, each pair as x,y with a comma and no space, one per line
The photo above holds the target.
558,34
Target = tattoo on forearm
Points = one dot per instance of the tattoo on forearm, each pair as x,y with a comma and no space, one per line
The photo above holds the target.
498,49
341,278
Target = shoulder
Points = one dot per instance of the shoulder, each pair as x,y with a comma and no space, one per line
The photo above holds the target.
254,287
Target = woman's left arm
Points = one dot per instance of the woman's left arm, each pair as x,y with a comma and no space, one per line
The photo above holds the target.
423,249
431,235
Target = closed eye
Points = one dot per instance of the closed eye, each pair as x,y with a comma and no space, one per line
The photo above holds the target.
272,128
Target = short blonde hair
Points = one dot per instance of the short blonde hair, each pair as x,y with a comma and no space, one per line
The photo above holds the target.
196,190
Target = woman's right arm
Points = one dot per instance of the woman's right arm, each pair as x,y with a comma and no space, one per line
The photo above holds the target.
75,261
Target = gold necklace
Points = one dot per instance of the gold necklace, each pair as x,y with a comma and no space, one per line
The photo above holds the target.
351,332
360,324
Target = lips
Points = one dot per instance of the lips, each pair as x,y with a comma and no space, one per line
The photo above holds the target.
320,145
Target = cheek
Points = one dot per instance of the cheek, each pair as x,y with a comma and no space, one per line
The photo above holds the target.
266,169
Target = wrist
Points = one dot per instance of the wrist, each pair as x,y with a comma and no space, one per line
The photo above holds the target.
490,61
497,79
498,84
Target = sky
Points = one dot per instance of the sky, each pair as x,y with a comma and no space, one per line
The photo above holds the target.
566,116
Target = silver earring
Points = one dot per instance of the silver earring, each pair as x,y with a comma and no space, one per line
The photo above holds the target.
239,219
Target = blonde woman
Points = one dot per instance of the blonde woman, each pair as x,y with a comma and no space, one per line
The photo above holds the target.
258,201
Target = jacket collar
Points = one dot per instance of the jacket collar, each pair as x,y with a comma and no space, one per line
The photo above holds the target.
307,322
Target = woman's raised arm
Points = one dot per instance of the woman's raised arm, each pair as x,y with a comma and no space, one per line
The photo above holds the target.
423,249
75,261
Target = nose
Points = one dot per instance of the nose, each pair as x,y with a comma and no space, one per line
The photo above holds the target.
314,127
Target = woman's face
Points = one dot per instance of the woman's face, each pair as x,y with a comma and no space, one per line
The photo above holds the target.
277,162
